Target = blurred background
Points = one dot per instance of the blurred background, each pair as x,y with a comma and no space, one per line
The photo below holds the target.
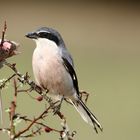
104,40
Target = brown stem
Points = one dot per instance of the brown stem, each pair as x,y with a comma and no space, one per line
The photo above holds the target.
25,78
3,33
12,112
29,120
38,131
7,80
32,123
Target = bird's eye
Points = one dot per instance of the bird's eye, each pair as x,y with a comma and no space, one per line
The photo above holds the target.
42,34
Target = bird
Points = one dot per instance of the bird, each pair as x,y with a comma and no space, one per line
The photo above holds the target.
53,69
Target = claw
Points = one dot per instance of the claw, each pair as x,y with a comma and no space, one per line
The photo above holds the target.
57,108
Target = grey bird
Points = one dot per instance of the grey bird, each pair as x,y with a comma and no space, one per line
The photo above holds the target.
53,69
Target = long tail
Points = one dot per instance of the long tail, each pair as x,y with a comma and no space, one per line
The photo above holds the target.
86,114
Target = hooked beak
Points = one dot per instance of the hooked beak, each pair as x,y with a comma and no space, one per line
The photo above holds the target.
32,35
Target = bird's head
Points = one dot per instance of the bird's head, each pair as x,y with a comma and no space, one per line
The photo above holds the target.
46,33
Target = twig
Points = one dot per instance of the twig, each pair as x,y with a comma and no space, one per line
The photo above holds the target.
39,123
1,105
12,112
32,123
38,131
7,49
3,33
7,80
25,78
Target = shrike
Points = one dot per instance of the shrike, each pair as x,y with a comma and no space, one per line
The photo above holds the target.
54,70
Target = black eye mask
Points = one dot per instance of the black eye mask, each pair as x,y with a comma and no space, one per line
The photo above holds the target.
49,36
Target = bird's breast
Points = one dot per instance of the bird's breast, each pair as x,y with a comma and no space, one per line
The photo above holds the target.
49,71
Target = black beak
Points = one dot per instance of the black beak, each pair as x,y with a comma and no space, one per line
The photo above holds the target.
32,35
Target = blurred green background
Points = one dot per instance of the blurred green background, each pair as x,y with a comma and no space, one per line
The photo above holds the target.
104,40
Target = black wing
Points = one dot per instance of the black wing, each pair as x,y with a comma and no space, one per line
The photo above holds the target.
72,73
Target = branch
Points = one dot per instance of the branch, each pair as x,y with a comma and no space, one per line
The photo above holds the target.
8,49
3,33
39,123
25,78
34,133
32,123
7,80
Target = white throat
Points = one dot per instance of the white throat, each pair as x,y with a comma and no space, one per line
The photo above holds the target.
47,48
40,42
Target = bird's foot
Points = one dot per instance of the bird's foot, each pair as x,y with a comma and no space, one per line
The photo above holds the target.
56,108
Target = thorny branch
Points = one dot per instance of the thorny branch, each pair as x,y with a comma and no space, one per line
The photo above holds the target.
37,125
25,79
8,49
32,123
42,127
